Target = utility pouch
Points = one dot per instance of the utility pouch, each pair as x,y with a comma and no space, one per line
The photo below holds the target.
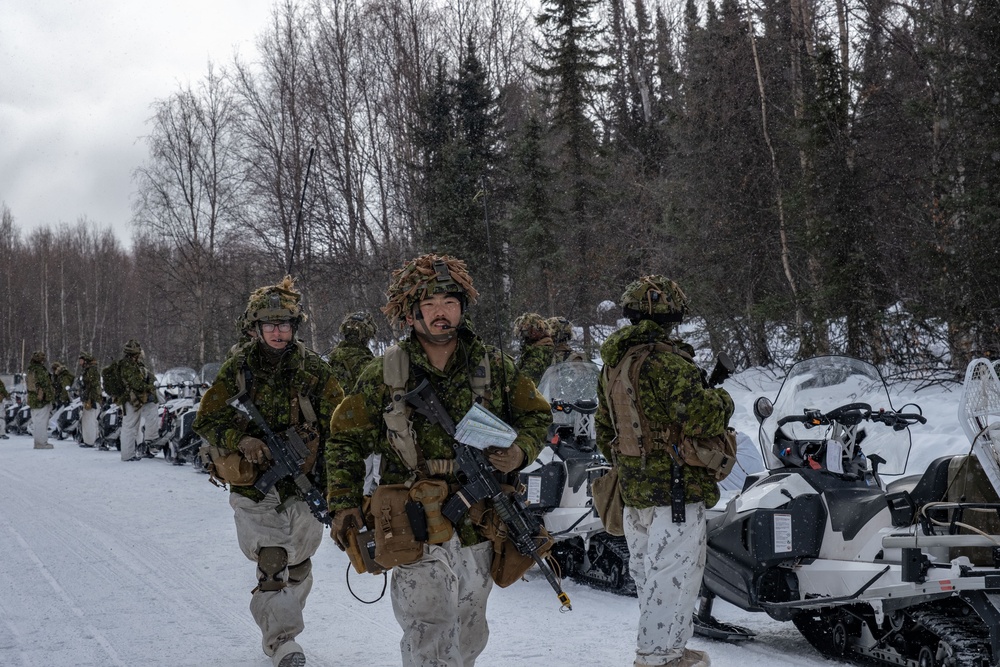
395,542
430,494
361,551
310,436
717,453
509,564
227,466
608,502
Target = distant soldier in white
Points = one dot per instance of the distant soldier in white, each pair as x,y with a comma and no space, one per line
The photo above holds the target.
139,401
90,395
41,393
4,395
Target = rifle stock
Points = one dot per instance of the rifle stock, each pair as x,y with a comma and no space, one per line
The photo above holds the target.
724,367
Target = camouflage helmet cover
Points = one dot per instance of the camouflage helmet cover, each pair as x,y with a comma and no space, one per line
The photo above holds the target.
274,303
57,367
531,327
654,295
561,328
359,325
423,277
132,347
87,357
38,356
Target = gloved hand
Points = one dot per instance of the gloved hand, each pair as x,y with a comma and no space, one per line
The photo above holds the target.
343,521
253,449
507,459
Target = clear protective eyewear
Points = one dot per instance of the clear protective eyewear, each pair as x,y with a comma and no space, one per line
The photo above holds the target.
269,327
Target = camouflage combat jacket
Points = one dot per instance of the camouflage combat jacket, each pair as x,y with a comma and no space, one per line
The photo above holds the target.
139,383
90,385
671,391
4,394
61,381
299,371
358,428
44,392
535,358
347,359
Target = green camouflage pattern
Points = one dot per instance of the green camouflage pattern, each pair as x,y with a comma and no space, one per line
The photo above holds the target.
531,327
299,371
671,391
62,378
347,359
534,359
4,394
358,327
654,295
560,328
44,392
421,278
90,384
358,428
139,382
274,303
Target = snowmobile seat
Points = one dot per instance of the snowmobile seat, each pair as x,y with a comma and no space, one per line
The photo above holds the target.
931,487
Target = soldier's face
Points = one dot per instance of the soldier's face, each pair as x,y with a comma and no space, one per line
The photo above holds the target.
276,338
441,313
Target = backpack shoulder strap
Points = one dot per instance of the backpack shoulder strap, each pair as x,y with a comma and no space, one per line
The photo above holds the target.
399,426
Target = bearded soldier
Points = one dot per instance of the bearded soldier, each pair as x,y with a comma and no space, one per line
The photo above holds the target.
352,354
536,345
138,400
654,401
292,388
439,591
90,395
41,394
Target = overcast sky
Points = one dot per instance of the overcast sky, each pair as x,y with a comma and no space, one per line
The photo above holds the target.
77,78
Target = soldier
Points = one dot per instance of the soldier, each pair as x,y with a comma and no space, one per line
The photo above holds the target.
292,387
642,436
439,593
138,400
4,395
536,345
62,380
90,395
351,354
562,334
41,393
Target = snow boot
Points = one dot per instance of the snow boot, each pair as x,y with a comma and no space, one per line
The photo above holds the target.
691,658
47,445
289,654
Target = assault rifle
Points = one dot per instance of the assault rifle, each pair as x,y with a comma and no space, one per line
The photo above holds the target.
478,478
288,454
724,367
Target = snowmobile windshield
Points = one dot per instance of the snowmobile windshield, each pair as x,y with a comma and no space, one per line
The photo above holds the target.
209,371
824,384
571,383
178,375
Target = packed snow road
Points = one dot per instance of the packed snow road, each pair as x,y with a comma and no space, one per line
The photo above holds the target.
104,563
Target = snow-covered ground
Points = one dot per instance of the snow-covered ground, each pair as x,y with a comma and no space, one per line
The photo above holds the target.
104,563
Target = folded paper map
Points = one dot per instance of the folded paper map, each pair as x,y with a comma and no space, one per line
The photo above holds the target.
480,428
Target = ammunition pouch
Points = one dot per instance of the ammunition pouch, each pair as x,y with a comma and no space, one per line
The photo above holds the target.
396,542
227,467
310,436
509,564
717,454
430,494
608,502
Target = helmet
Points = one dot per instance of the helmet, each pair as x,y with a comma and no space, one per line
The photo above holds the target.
38,356
358,326
531,327
87,357
654,297
561,328
57,367
275,303
132,347
420,278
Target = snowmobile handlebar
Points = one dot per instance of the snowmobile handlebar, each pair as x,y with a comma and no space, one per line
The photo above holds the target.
853,414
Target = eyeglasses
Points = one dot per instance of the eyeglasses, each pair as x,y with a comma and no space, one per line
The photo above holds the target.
269,327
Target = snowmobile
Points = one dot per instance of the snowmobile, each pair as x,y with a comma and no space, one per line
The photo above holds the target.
17,415
66,421
557,484
109,425
868,564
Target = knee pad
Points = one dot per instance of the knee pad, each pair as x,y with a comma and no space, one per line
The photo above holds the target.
298,573
271,563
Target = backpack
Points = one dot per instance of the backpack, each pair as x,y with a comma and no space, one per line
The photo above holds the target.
637,436
111,379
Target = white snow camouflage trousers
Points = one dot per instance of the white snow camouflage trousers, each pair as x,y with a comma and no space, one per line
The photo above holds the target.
440,603
40,424
278,613
131,432
667,561
88,426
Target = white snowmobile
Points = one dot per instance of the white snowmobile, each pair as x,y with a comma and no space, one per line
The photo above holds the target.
558,482
903,573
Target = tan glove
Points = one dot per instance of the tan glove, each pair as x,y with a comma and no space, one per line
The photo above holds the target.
343,521
507,459
254,449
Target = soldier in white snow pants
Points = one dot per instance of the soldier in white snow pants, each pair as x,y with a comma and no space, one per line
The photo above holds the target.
297,532
131,433
440,603
667,561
